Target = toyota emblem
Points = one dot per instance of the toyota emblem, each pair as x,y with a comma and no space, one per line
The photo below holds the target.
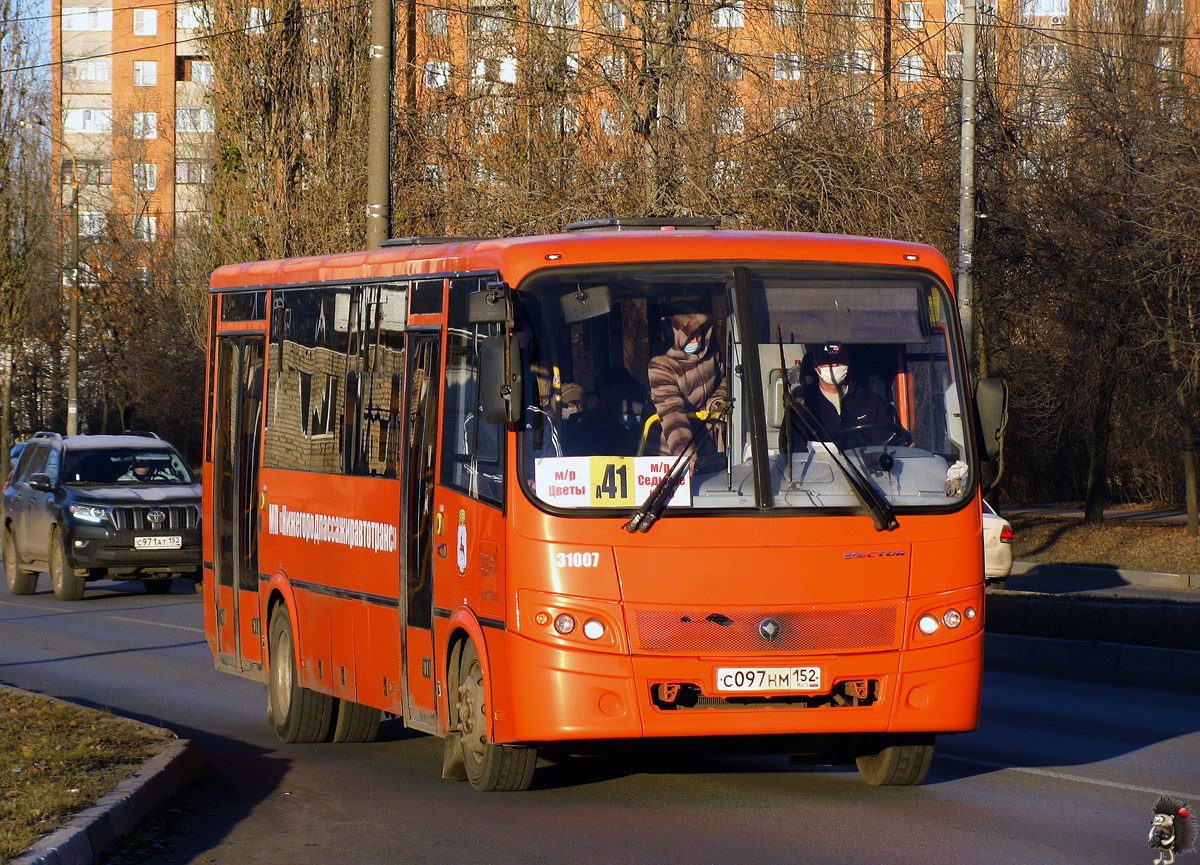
769,628
156,517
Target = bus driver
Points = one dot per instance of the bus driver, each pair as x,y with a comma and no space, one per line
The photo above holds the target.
838,403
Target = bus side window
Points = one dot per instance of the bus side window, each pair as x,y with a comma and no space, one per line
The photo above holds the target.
472,452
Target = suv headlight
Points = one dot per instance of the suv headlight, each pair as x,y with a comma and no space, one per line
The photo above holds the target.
89,513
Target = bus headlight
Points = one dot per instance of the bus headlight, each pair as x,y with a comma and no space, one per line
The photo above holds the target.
564,623
952,619
593,629
928,625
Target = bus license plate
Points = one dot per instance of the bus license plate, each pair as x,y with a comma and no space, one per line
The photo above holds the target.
735,679
158,542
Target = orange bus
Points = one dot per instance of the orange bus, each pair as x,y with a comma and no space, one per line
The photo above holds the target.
641,479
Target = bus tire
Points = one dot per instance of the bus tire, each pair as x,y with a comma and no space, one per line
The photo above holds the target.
67,586
897,762
355,722
20,581
489,766
298,714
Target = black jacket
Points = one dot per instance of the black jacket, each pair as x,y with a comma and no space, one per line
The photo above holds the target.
859,406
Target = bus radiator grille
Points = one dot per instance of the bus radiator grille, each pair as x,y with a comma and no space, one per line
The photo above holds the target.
691,632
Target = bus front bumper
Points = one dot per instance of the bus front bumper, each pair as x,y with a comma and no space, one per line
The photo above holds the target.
563,694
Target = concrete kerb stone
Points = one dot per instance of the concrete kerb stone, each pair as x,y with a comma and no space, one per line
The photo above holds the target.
95,830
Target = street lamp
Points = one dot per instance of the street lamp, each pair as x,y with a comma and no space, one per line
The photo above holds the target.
73,303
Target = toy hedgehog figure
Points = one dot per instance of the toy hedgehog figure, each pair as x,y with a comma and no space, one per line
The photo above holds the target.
1172,831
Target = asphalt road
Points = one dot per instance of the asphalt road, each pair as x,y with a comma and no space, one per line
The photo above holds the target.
1060,771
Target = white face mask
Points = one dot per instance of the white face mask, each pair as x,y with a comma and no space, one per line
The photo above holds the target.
835,374
568,411
692,348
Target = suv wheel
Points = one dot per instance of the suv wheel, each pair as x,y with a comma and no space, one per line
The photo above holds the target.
67,586
20,581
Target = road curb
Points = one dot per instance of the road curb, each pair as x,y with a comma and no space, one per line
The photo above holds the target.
1113,661
94,831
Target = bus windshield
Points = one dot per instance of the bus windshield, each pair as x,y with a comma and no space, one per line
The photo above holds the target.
835,371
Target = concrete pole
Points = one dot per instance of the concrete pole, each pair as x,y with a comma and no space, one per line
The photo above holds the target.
966,184
379,183
73,310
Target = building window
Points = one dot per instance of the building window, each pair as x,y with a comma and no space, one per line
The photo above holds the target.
730,121
91,223
437,73
257,19
863,9
202,71
610,122
954,64
437,22
189,16
728,67
145,228
613,66
911,67
612,16
90,172
495,69
789,13
145,176
145,124
92,69
730,15
1164,7
194,120
787,67
561,13
145,73
1051,8
192,171
192,224
953,10
787,119
81,18
1048,57
912,15
91,121
860,62
145,22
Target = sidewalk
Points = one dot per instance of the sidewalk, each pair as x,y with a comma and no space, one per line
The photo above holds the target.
1103,581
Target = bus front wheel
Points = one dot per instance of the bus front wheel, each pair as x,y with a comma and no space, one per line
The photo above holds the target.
489,767
896,761
298,714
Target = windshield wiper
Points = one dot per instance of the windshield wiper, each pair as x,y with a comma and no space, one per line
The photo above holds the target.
877,506
656,502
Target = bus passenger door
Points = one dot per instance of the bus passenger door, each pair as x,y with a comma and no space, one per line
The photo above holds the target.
416,644
237,453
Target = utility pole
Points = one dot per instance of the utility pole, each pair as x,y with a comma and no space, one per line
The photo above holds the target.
73,295
379,131
966,184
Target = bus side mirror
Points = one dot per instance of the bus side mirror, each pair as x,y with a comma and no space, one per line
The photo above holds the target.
493,305
500,383
991,401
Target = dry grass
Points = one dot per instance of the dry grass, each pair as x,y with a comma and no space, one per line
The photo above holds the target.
58,759
1137,546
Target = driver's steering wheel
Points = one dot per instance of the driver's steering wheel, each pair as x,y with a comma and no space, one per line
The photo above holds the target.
898,434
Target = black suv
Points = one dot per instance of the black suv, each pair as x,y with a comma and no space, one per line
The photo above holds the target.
94,506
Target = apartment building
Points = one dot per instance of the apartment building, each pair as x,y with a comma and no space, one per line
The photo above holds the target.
132,119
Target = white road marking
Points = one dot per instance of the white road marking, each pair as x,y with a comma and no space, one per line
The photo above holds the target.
159,624
1067,776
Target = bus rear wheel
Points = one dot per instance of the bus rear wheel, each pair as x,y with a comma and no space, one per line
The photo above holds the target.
896,761
355,722
489,766
298,714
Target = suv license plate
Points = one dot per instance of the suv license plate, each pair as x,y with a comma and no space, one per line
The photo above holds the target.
734,679
158,542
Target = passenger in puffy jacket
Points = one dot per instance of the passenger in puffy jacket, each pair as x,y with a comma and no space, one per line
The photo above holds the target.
689,377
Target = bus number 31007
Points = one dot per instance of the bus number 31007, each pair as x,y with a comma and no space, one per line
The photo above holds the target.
576,560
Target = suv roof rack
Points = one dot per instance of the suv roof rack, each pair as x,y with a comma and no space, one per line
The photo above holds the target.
632,223
47,435
138,432
428,241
